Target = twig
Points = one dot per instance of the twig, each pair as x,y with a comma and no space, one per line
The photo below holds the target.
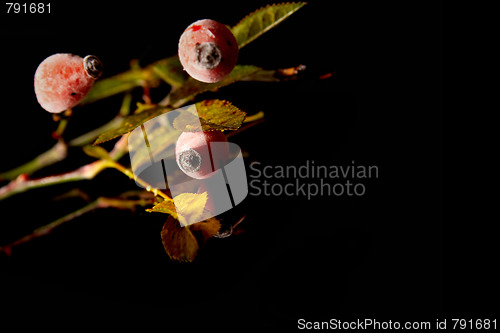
55,154
22,184
89,171
86,172
101,202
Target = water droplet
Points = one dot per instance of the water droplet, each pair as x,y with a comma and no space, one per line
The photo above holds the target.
148,188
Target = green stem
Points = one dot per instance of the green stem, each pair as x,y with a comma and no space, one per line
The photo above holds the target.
63,120
55,154
127,172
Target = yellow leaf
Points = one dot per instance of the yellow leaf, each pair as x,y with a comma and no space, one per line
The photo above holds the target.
189,207
166,207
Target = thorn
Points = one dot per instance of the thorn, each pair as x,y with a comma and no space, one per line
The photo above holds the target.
7,250
326,76
239,221
230,230
56,135
290,71
22,178
68,113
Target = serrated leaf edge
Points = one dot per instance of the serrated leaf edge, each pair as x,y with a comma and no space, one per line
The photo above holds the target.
300,3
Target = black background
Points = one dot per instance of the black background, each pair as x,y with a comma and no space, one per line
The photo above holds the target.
377,256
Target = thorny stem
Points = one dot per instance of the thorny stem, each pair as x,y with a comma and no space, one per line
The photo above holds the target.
86,172
89,171
101,202
22,184
55,154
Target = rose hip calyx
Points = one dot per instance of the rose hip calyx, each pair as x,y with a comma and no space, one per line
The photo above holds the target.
92,66
200,154
208,55
189,160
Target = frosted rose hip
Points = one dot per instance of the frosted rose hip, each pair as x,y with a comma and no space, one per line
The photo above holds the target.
208,50
63,80
199,154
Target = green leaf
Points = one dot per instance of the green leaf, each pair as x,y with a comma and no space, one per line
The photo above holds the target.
193,87
170,70
97,152
210,115
131,122
262,20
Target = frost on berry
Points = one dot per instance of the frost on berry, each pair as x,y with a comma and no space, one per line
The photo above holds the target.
63,80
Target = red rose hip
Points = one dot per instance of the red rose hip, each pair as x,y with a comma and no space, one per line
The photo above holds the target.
200,154
208,50
63,80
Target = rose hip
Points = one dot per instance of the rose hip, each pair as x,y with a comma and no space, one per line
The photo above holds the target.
200,154
63,80
208,50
